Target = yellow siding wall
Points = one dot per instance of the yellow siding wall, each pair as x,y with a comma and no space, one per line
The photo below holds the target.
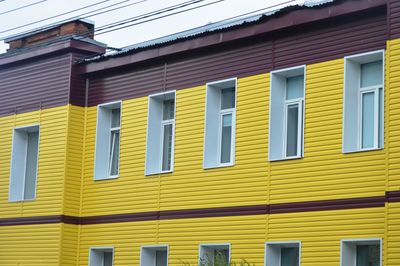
393,234
69,245
30,245
52,148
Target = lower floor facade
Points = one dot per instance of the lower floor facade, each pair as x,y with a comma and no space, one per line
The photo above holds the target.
320,236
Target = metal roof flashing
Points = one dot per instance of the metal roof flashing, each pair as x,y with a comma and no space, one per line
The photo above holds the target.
206,29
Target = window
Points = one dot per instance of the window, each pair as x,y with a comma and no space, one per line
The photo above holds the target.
218,254
361,252
283,253
219,142
108,133
154,255
287,114
363,102
24,163
101,257
160,133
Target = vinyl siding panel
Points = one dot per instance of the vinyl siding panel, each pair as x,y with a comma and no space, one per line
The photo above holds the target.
69,245
393,78
393,235
394,10
325,172
35,85
33,245
74,160
52,148
316,42
320,232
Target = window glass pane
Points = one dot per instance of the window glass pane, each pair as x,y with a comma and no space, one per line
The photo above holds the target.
167,148
226,136
228,98
289,256
371,74
108,258
221,256
292,129
368,255
115,117
31,165
161,258
295,87
168,109
367,120
114,153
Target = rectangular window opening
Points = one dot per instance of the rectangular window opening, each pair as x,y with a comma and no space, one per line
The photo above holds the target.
24,163
361,252
219,142
101,257
108,134
154,255
363,102
160,133
283,253
286,114
214,254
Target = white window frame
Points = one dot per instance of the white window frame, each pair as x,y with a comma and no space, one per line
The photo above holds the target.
277,149
279,244
214,151
155,247
13,165
213,246
100,148
352,136
101,249
354,242
154,170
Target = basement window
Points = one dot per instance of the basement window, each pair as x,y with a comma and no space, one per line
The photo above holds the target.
101,256
154,255
160,133
363,102
107,141
220,124
286,129
283,253
214,254
361,252
24,163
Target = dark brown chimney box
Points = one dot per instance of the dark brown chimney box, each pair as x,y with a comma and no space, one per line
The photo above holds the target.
48,34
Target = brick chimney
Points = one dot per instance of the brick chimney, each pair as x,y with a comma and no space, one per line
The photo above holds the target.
51,33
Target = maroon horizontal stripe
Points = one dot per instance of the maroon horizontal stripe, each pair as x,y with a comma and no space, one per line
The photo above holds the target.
324,205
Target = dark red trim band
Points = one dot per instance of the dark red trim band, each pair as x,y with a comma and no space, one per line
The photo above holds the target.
324,205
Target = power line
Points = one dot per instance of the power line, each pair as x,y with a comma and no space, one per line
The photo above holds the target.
21,7
55,16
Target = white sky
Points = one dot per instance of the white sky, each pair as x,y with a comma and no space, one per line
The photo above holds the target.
130,35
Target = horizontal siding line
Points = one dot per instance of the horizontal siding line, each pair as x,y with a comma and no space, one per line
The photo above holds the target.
324,205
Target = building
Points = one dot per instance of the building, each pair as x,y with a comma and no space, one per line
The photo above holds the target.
273,139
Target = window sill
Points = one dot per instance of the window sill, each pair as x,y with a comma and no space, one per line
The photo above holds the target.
22,200
286,159
106,178
363,150
160,173
219,166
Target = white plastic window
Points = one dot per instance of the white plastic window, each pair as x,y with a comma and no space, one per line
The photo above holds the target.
220,124
283,253
24,163
361,252
154,255
108,133
101,257
363,102
160,133
286,135
214,254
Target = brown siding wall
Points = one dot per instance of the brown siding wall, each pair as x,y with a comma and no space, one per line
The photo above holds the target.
394,21
78,83
304,45
35,85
